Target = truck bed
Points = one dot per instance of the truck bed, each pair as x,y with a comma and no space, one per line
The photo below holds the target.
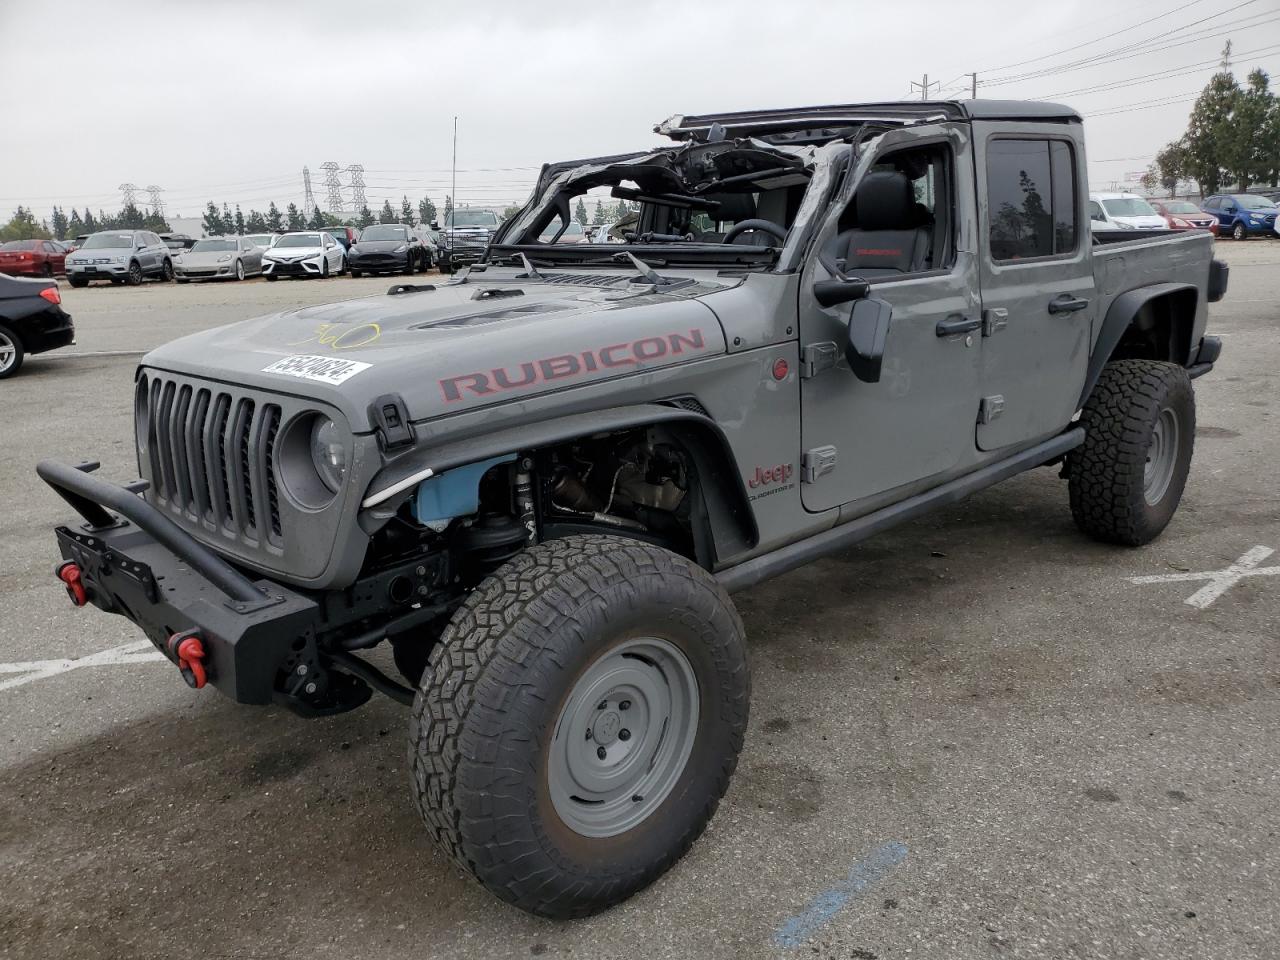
1124,260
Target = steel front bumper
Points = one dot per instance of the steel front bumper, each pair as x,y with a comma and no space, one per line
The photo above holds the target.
144,567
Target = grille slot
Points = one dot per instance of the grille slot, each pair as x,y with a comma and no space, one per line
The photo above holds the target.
585,279
211,455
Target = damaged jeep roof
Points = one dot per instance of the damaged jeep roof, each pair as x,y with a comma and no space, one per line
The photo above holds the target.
821,124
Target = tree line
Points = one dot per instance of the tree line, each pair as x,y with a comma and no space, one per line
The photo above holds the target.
1232,139
226,219
604,213
58,226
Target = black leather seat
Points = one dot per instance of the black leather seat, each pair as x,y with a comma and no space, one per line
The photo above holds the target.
889,234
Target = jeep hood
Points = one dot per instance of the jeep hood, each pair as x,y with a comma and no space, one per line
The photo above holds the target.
458,346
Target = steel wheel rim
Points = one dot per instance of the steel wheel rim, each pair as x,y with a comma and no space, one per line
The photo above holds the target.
623,737
1162,455
8,353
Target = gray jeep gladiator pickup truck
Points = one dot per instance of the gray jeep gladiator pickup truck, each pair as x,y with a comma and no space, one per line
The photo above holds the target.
541,480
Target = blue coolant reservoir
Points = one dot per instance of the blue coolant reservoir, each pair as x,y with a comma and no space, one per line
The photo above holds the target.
454,493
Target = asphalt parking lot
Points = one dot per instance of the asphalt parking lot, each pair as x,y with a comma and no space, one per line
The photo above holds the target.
971,737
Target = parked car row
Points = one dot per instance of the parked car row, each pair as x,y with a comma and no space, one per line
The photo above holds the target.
1236,215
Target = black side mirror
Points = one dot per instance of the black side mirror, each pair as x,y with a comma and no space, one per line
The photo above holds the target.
830,293
868,331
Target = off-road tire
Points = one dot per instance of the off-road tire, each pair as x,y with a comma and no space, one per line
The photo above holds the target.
492,694
14,355
1108,486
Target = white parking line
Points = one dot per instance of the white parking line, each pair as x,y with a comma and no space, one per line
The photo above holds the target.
1220,581
140,651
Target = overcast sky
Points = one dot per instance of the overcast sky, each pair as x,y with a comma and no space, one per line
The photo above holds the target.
227,101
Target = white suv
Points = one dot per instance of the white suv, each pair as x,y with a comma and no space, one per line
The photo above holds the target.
1123,211
306,254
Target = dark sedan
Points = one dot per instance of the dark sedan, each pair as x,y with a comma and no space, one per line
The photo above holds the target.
389,248
31,321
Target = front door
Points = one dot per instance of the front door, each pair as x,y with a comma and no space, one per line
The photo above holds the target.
1038,291
917,421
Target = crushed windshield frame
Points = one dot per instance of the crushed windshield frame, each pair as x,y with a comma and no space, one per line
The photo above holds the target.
686,178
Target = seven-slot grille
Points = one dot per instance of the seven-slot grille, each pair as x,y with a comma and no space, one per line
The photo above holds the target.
211,455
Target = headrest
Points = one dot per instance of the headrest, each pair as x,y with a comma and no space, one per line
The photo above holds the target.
885,201
733,206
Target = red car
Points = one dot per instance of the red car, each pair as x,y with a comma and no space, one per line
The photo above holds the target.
32,258
1185,215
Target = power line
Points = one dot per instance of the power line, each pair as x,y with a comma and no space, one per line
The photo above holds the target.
1088,43
1140,48
1151,77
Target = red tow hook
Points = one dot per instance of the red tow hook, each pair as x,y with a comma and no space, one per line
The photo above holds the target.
190,653
69,574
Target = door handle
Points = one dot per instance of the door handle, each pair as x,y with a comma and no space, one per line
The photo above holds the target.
957,324
1067,304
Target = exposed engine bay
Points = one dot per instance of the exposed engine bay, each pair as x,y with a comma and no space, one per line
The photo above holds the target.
463,524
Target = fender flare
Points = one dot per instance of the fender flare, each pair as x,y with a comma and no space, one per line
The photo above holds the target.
728,514
1120,316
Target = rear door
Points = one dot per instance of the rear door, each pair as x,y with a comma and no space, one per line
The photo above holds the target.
1038,293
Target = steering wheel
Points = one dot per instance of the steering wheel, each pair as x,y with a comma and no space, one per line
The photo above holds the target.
764,226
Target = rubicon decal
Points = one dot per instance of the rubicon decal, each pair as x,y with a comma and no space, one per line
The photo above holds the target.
567,366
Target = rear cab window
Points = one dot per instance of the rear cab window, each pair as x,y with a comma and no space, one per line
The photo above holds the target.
1031,199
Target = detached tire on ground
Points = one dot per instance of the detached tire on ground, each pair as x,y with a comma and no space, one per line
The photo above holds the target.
1126,479
578,722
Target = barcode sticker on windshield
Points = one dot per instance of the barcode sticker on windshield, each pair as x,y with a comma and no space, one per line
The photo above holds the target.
323,369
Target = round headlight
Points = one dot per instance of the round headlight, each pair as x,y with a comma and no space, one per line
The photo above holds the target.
329,453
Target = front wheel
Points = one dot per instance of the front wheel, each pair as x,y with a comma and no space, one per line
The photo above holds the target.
239,270
355,274
1238,232
166,271
324,268
77,282
1126,479
135,274
578,722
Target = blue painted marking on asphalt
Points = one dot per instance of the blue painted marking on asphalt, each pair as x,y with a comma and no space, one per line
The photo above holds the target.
862,876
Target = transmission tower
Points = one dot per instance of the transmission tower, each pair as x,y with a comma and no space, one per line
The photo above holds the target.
308,198
128,193
358,200
333,185
156,203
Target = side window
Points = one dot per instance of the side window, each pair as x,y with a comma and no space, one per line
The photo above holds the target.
1095,212
1030,199
901,218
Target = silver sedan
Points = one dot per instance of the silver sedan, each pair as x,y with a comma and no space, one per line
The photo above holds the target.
219,258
